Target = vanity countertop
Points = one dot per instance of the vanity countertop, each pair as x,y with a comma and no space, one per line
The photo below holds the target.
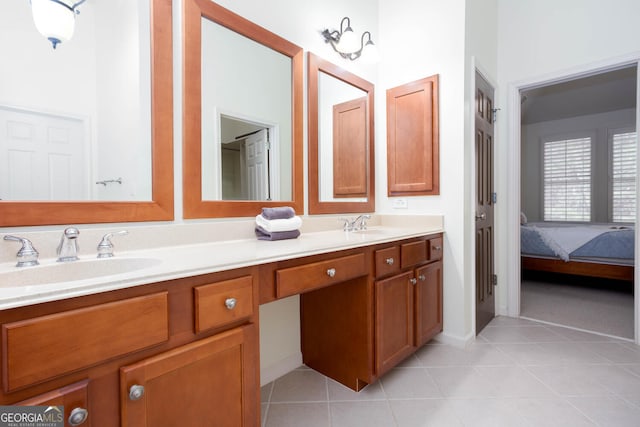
179,260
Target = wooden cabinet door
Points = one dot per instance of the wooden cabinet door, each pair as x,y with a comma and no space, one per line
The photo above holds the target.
210,382
394,320
73,397
428,302
413,165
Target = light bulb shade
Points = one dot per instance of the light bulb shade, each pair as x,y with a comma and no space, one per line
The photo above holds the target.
370,53
349,42
53,20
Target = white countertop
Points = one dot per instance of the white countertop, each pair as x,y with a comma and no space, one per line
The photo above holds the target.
53,281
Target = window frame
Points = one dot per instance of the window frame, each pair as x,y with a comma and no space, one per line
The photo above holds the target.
567,136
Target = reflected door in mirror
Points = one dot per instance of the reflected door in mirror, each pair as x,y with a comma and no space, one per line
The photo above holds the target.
350,148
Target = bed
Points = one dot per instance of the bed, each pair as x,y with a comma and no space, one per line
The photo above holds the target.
596,250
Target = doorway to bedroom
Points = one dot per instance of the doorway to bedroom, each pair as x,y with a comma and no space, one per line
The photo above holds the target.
578,201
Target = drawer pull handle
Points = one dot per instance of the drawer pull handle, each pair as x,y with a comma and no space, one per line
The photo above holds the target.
413,280
331,272
422,277
389,261
78,416
436,248
136,392
230,303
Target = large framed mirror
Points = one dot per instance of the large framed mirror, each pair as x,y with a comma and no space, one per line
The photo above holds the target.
341,141
242,140
87,128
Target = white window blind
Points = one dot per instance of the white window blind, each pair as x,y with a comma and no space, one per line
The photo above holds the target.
567,180
623,177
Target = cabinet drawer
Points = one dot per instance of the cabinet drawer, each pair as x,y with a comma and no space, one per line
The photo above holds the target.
413,253
44,347
435,248
297,280
387,261
224,302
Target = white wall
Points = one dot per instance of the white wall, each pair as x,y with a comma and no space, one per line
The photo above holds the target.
537,39
598,127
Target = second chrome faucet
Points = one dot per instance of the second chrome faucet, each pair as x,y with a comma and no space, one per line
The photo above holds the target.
68,247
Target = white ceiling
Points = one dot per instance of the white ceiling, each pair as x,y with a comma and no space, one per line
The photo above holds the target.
610,91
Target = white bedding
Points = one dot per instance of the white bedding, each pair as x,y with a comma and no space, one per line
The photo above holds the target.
564,240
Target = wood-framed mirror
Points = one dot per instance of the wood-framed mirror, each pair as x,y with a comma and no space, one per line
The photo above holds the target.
222,87
155,103
341,140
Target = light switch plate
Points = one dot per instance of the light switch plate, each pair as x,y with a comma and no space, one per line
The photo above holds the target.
399,204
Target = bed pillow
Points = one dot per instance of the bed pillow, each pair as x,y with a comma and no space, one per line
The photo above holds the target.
523,218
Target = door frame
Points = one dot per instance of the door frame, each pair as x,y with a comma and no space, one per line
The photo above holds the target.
511,224
476,66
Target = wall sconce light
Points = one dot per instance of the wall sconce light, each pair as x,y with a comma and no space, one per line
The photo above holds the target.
346,43
55,19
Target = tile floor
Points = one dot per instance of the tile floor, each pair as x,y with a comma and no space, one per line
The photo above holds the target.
517,373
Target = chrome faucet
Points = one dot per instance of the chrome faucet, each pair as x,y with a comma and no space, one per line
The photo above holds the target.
68,247
105,247
27,255
360,223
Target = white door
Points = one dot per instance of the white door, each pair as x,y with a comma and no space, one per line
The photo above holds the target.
257,164
42,157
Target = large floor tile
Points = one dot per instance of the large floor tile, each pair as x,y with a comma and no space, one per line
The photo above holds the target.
339,392
297,415
615,352
301,385
403,383
360,414
522,334
549,412
473,355
573,380
424,413
483,412
610,411
462,382
514,381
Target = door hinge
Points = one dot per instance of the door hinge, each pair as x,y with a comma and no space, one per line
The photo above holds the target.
494,279
495,114
494,198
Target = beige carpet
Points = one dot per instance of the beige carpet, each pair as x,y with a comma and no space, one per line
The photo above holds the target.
590,304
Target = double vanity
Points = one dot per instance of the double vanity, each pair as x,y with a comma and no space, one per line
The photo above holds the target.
175,339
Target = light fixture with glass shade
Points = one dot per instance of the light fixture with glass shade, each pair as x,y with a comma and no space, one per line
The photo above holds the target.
55,19
346,43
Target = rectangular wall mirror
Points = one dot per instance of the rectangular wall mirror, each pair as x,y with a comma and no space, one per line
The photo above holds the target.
341,128
242,115
86,129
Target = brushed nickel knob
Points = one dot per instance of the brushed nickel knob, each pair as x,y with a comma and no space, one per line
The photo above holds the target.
230,303
437,248
78,416
413,280
422,277
389,261
136,392
331,272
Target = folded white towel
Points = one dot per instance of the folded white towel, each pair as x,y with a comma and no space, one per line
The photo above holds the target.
275,225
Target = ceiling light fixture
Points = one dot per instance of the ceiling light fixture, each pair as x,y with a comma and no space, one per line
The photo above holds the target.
55,19
346,42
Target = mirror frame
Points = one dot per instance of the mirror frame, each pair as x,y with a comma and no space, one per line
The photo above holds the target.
193,205
316,206
26,213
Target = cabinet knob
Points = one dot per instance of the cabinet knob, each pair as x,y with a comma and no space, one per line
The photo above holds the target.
389,261
78,416
413,280
136,392
230,303
422,277
331,272
436,248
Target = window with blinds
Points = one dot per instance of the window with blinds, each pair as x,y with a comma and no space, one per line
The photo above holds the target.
567,180
623,177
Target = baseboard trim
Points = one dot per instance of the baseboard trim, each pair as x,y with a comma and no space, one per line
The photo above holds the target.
279,368
455,340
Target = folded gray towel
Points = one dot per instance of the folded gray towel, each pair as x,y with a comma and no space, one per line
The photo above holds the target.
263,234
282,212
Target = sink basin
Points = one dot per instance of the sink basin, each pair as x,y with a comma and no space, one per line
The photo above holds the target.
76,270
